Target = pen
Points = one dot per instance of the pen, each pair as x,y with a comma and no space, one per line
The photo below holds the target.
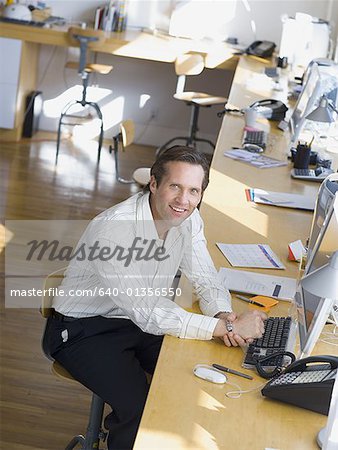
248,300
234,372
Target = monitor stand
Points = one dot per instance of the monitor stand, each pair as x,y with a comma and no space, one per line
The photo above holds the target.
320,437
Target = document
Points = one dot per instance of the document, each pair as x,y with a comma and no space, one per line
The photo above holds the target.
255,159
282,199
251,255
282,288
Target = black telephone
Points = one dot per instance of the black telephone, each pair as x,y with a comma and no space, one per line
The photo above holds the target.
306,383
264,49
270,108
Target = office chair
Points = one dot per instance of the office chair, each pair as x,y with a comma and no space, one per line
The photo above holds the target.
94,433
187,65
87,39
122,140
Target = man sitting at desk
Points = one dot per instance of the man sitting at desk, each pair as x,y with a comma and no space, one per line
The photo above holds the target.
108,340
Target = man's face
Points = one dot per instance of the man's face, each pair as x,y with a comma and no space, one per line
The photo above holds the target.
178,193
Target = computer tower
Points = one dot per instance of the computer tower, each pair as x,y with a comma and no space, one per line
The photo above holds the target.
32,113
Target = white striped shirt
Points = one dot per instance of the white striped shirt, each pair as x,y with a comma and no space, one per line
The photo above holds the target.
131,287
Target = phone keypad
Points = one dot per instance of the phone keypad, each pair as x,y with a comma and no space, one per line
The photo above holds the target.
311,376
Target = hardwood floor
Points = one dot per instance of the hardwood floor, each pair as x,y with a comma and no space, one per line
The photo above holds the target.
39,410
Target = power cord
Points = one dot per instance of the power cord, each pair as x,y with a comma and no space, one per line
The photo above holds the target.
230,111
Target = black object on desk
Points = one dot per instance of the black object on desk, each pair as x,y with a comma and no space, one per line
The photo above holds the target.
31,23
302,156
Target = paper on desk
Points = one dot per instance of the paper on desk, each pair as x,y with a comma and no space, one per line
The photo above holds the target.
255,159
283,288
251,255
282,199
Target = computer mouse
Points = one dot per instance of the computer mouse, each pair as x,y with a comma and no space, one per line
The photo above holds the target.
253,148
209,373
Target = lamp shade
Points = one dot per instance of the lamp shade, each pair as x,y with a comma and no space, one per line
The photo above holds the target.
323,282
322,113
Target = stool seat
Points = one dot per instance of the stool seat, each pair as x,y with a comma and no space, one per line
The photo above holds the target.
102,69
142,175
60,371
200,98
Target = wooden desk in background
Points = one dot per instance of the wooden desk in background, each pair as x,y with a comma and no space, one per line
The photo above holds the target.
130,43
184,412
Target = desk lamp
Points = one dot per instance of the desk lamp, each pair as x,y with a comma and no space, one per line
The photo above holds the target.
323,113
323,282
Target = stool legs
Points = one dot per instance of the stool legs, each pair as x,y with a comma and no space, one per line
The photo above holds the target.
83,103
94,433
99,115
193,129
63,113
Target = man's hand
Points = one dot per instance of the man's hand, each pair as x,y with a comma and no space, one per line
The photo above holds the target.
246,327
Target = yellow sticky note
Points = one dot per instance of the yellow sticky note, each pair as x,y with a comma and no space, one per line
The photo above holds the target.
268,302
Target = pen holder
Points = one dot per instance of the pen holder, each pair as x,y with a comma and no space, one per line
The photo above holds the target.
302,156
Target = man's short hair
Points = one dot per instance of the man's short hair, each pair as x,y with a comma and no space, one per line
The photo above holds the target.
179,153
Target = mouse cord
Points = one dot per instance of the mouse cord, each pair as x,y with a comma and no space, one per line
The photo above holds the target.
237,393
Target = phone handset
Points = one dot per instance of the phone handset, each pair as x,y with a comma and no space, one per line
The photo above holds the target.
305,363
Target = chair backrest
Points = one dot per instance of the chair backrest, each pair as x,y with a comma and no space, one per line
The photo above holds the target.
85,38
127,130
52,281
189,64
186,65
95,37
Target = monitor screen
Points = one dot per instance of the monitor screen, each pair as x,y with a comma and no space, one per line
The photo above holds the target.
325,197
312,310
305,102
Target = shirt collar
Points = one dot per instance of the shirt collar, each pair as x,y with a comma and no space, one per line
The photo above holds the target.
145,225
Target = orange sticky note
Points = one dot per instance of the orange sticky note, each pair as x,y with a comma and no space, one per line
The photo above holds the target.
268,302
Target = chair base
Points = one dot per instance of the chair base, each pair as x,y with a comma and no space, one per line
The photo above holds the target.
64,114
192,139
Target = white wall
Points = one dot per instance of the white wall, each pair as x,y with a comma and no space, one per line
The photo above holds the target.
132,78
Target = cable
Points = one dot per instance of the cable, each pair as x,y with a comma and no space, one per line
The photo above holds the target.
230,111
240,391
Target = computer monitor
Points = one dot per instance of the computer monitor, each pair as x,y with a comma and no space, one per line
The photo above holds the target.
325,198
312,310
305,102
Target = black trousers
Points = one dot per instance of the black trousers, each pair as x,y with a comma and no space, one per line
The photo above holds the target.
109,357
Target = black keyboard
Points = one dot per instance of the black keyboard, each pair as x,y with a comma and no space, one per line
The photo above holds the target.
274,339
257,137
31,23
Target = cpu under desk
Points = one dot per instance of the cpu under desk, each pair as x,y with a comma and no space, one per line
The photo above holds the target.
183,411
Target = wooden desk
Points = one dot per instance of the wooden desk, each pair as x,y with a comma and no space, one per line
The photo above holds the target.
183,411
130,43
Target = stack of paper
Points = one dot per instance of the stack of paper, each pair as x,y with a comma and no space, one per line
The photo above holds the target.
282,199
251,255
283,288
255,159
